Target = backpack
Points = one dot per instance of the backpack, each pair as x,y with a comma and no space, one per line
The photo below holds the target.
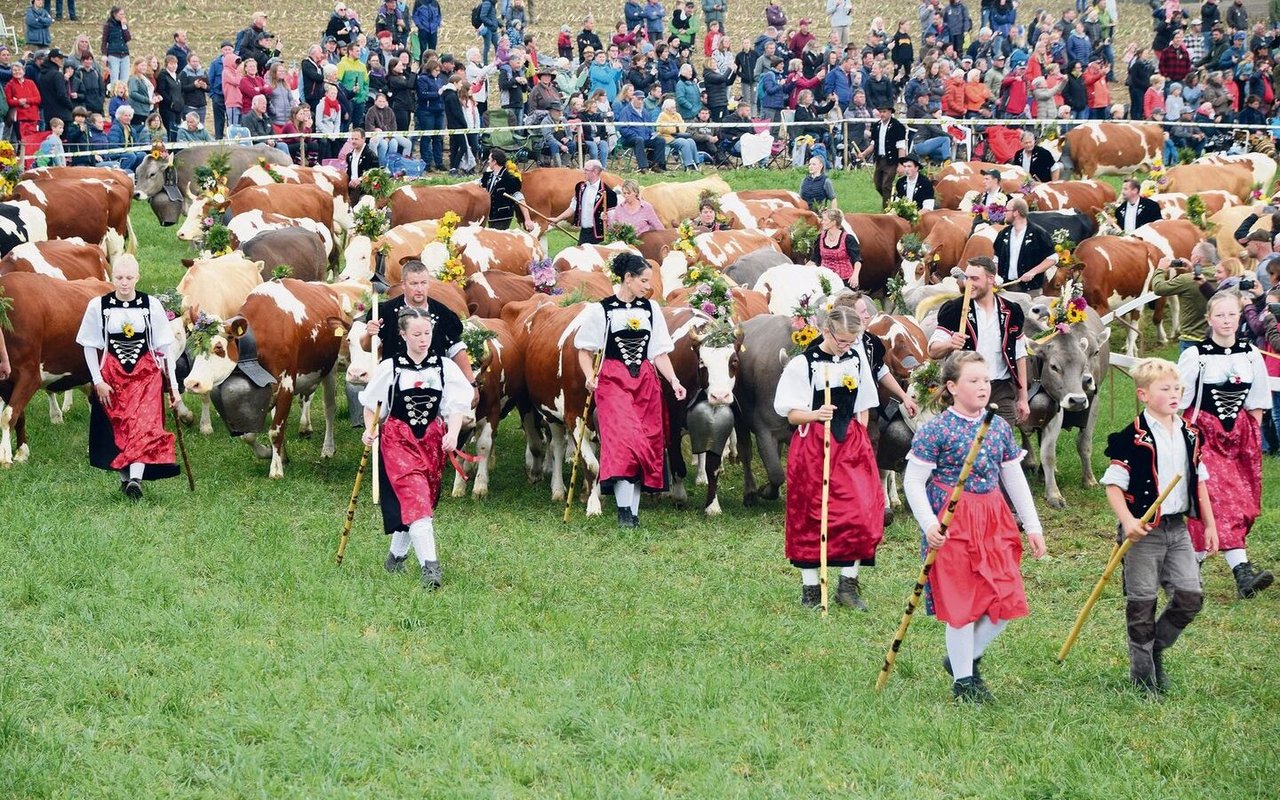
477,21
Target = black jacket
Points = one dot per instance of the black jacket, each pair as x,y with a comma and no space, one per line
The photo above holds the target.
1041,163
923,192
312,81
55,94
717,85
454,119
1012,324
368,160
92,89
1036,247
1134,449
169,87
1148,211
897,133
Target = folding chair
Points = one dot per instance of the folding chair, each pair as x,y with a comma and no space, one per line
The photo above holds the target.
517,144
8,33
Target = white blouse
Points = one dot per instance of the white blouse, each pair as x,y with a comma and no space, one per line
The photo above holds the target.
1225,368
455,391
92,335
592,326
798,383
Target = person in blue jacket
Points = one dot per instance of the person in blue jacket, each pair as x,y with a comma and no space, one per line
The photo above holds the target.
426,16
431,112
38,23
775,91
654,14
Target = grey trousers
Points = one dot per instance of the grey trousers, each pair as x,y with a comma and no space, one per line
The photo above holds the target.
1163,557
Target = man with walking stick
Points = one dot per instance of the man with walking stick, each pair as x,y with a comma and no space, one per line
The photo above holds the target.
1146,457
590,205
128,347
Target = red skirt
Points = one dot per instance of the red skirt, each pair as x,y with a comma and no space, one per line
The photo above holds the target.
131,429
1234,461
632,420
979,568
855,514
409,469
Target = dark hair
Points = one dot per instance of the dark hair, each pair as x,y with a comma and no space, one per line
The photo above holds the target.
625,264
408,313
498,155
986,262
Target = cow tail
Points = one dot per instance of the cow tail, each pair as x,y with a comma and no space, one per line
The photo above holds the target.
130,237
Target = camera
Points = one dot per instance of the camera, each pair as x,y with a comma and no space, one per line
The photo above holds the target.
1247,283
1178,263
1274,308
1197,271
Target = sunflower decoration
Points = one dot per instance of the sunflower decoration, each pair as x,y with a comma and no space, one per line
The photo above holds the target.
1157,174
453,271
685,234
634,323
10,170
1064,247
1067,310
128,330
850,383
912,248
710,292
804,336
512,169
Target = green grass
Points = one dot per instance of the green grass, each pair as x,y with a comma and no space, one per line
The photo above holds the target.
205,645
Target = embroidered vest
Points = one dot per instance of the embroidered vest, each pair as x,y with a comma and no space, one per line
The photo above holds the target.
129,345
841,371
418,405
628,328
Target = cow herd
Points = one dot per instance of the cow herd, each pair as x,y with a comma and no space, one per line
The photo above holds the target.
260,340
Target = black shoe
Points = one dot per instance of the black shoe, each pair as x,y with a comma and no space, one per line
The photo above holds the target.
1250,581
965,690
133,489
1146,683
431,578
810,596
847,594
395,563
624,518
977,676
1162,679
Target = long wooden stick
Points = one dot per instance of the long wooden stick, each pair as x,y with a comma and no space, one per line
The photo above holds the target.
826,491
964,308
557,225
944,522
1117,555
580,431
355,490
375,346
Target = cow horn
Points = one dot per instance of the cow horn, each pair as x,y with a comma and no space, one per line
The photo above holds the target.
958,274
190,196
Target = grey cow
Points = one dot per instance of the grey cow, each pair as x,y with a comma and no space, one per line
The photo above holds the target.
167,190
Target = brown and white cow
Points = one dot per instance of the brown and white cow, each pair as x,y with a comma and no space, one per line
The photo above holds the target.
974,169
1236,178
785,284
549,190
299,202
1114,269
298,329
76,173
87,208
42,348
1088,197
412,203
592,257
244,227
65,259
746,213
489,292
676,201
331,180
483,249
1113,148
878,236
1262,166
396,245
500,382
1173,205
949,190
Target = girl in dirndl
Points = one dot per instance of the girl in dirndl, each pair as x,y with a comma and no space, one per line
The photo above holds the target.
418,391
128,347
855,512
630,415
1225,394
837,249
975,586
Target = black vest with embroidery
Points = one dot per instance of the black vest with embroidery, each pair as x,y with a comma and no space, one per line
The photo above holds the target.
842,397
1135,447
1223,400
630,344
419,405
130,345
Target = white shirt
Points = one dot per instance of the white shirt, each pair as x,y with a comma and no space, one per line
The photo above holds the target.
1016,238
355,163
586,210
1026,160
882,146
797,386
1234,368
1171,459
455,392
988,344
592,328
1130,221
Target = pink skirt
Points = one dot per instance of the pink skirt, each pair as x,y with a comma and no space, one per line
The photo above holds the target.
632,420
1234,461
978,570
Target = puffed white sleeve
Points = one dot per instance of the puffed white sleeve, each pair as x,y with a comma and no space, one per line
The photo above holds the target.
868,395
927,205
914,480
378,389
91,332
1019,491
591,328
1259,396
660,342
162,340
1189,372
456,398
795,390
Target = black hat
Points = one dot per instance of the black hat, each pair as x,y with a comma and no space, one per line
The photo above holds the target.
226,43
912,157
55,53
885,107
991,173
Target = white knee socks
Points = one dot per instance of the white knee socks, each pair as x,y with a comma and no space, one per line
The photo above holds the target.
849,572
422,534
960,645
135,472
985,630
623,493
809,577
400,544
1236,557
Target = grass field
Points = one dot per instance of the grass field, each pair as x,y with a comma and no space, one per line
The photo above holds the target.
205,645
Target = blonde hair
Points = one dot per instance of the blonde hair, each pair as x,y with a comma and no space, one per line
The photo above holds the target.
1224,296
1149,370
1233,267
842,317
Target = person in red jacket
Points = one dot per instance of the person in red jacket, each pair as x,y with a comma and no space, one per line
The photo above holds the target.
799,82
1014,94
1097,95
24,98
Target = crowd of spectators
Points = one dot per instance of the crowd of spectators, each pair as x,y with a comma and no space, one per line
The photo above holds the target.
652,83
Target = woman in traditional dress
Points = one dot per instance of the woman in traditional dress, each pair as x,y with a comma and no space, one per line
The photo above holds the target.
1225,394
128,347
630,415
855,511
504,191
836,249
419,392
976,583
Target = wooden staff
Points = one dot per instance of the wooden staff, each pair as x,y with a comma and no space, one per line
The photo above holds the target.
944,522
177,430
580,433
964,307
826,491
557,225
1117,555
355,490
375,344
